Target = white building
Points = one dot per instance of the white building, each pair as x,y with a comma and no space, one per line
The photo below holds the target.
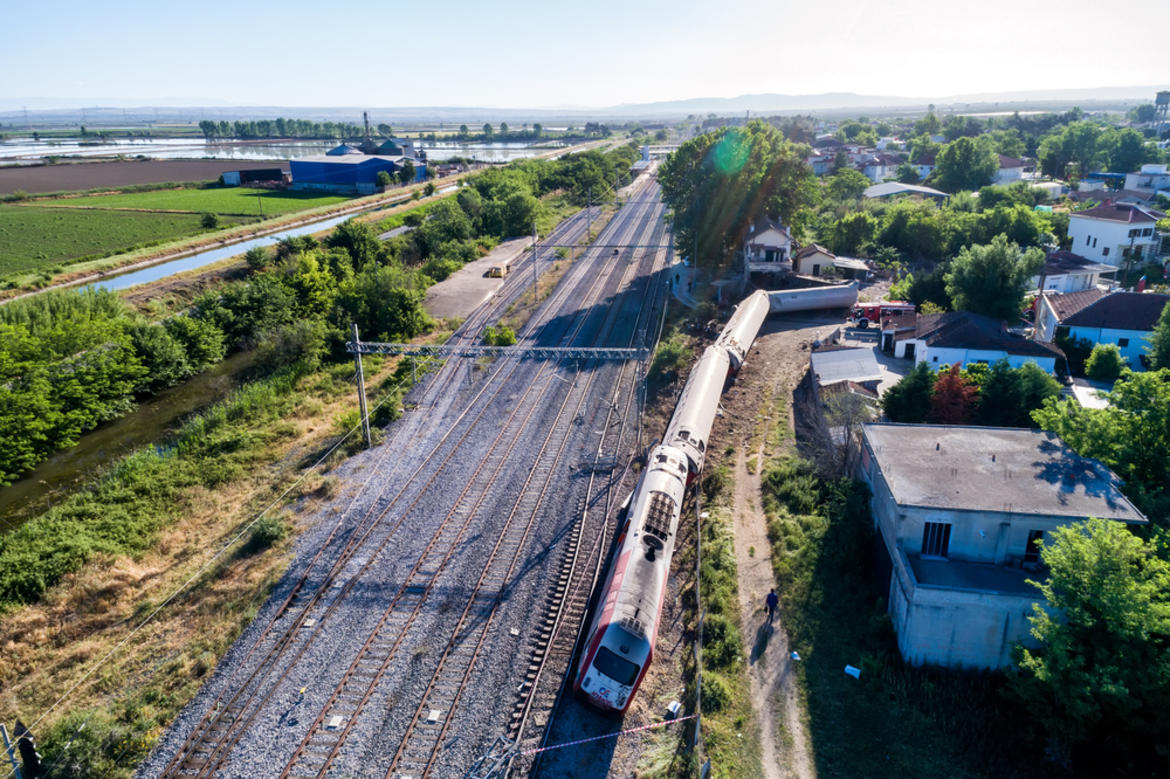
880,166
1052,308
959,511
1151,178
1010,169
1067,272
1113,232
961,337
1123,318
767,247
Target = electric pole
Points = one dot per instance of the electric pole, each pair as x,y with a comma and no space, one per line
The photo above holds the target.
361,384
535,275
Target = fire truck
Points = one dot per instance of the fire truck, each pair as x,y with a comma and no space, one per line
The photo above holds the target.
863,315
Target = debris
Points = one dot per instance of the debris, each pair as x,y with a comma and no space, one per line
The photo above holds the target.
796,656
853,671
673,709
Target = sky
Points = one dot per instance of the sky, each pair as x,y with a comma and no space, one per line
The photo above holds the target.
520,54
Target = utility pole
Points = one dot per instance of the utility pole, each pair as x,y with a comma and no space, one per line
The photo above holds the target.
261,202
589,214
10,751
535,274
361,384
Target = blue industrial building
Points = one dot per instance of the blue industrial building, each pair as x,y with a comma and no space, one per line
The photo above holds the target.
348,173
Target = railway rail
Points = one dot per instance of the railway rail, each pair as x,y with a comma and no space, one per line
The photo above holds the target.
352,547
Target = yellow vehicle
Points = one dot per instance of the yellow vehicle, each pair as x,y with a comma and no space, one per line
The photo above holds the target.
499,271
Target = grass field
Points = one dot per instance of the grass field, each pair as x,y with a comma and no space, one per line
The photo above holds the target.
33,239
218,200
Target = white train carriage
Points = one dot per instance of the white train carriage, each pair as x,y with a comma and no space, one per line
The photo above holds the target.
690,426
620,643
741,330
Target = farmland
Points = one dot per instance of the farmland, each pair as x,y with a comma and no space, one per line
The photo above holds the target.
33,239
71,177
219,200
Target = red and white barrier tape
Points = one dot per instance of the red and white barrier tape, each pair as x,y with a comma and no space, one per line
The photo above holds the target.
608,735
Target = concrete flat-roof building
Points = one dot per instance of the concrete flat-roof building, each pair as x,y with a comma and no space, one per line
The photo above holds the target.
959,512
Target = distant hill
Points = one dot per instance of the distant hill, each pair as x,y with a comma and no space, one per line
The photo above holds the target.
172,109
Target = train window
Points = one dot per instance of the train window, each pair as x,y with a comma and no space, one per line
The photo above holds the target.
621,671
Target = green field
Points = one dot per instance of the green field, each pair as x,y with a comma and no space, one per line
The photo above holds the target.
33,239
218,200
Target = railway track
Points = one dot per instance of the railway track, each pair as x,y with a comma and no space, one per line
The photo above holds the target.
277,649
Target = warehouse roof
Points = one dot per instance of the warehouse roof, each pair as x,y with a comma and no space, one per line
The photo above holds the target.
348,159
994,469
832,366
895,188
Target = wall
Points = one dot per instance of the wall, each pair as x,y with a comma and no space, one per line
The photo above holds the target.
950,356
1102,240
956,628
1138,341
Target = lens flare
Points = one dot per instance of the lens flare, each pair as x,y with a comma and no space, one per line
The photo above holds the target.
731,153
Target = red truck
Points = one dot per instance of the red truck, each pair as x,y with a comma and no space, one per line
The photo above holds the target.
864,314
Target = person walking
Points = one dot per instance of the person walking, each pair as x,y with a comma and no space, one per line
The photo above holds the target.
773,601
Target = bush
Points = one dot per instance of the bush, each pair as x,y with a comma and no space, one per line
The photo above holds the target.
209,221
721,641
257,257
265,533
1104,363
715,695
500,335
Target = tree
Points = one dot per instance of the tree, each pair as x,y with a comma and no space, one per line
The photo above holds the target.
907,174
161,354
209,221
463,131
847,184
257,257
991,279
1143,113
503,128
1008,396
964,164
953,401
385,130
384,179
1105,363
1159,347
537,130
929,124
487,130
1131,435
718,182
909,399
1099,681
406,173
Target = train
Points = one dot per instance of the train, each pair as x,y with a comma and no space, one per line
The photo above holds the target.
619,643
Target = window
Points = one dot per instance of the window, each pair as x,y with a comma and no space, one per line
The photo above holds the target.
1135,233
1105,252
1123,342
620,670
1088,240
936,539
1147,232
1032,551
1094,243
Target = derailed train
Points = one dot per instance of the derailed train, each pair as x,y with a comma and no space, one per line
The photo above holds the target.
619,644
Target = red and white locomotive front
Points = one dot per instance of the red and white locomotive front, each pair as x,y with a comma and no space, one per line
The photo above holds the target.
621,641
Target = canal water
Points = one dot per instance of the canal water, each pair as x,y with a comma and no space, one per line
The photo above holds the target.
146,425
28,150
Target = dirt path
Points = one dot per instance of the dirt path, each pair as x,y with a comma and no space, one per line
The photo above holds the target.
783,739
760,401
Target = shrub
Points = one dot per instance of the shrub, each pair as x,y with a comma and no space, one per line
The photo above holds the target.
257,257
715,695
1104,363
209,221
721,641
265,533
